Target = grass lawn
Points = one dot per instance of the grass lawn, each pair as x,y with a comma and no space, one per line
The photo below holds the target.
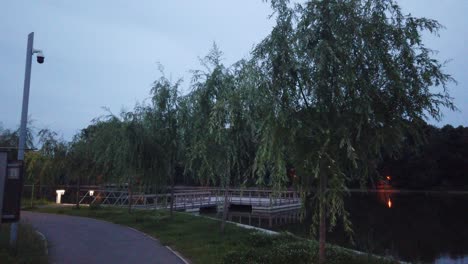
199,238
26,203
30,246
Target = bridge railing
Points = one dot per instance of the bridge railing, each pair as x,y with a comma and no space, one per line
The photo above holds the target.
258,197
191,198
155,201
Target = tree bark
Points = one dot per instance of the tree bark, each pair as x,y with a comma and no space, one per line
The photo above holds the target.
172,196
323,218
172,184
32,195
77,205
225,209
130,197
40,189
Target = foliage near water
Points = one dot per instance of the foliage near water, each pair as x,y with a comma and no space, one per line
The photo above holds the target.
285,248
199,239
440,163
27,203
30,249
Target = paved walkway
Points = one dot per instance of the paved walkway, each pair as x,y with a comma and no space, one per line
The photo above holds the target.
76,240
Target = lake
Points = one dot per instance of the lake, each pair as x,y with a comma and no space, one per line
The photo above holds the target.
416,227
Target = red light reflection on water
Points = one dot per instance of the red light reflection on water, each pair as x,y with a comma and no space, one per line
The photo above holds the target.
384,190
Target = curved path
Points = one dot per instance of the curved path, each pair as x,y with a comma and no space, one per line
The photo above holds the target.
78,240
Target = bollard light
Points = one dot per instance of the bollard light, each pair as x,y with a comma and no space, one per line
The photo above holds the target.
59,196
91,192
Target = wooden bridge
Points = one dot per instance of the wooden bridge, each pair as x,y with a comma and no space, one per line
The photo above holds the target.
196,198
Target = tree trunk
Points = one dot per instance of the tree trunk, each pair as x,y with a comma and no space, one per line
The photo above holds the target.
77,205
32,195
225,209
40,190
172,196
323,218
172,184
130,197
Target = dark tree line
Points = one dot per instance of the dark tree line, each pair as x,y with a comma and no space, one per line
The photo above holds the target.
438,161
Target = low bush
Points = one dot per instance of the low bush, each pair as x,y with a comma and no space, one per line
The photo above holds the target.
30,246
95,206
284,248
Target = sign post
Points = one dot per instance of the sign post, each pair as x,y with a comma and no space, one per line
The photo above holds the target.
3,176
11,186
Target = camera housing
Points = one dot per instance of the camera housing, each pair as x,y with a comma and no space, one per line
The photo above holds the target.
40,57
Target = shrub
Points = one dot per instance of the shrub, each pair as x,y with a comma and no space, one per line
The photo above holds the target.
274,249
94,206
30,246
284,248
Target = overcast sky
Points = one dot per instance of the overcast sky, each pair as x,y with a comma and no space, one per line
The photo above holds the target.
106,53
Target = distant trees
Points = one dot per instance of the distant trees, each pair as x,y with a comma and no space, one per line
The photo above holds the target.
48,165
9,140
438,162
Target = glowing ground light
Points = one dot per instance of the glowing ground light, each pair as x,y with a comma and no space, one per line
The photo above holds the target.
389,203
389,178
58,200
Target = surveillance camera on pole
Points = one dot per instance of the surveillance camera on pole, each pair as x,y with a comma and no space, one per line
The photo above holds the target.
40,56
30,51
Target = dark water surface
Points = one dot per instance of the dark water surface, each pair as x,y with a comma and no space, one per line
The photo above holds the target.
415,227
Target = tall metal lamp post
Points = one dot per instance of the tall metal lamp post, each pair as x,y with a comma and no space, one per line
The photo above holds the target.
30,51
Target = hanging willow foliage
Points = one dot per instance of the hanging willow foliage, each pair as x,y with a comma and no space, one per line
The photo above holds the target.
347,79
335,86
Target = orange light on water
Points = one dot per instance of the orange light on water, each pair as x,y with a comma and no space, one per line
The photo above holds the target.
389,203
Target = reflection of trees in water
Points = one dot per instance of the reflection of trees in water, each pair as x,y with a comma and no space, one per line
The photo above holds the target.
264,219
417,227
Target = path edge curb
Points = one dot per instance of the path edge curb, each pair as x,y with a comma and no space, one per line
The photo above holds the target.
173,251
44,241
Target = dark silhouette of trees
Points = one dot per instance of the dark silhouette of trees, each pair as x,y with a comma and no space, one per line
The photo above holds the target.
439,161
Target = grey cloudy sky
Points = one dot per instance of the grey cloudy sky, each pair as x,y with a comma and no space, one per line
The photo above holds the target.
105,53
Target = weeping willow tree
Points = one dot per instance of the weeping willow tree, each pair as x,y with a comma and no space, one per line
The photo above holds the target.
335,86
116,143
209,155
48,165
218,145
9,139
138,149
344,80
80,162
163,126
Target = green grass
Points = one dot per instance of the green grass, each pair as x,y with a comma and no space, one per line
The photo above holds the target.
30,246
26,203
199,238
